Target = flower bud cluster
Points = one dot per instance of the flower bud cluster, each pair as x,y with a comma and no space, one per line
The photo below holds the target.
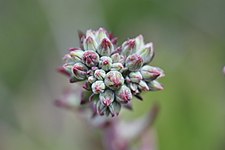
114,74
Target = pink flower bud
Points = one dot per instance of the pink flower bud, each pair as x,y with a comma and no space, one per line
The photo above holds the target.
123,94
105,63
114,80
150,73
135,77
99,74
98,87
155,86
134,62
90,58
146,52
90,43
79,71
105,48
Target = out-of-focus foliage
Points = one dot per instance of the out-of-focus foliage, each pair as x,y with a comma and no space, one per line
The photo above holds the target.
188,39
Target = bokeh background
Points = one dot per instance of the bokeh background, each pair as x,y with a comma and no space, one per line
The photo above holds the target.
188,38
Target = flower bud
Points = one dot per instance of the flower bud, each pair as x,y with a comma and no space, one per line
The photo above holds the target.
101,108
134,88
77,55
98,87
123,94
105,63
90,58
134,62
128,47
66,70
155,86
91,79
105,48
115,108
79,71
106,97
114,80
117,58
117,67
99,74
101,34
135,77
139,40
67,58
150,73
143,86
146,52
90,43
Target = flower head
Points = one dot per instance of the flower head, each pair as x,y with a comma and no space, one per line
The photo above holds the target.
113,74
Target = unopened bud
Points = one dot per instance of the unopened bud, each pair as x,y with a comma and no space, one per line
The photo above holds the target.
107,97
91,79
101,34
134,62
146,52
90,58
117,67
150,73
135,77
134,88
123,94
114,80
98,87
79,71
155,86
143,86
99,74
105,48
105,63
90,43
128,47
115,108
117,58
139,40
77,55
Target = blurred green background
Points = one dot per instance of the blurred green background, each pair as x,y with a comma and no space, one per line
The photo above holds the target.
188,38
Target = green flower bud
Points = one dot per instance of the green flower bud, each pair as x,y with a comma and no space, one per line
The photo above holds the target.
128,47
115,108
77,55
90,58
101,34
99,74
106,97
91,79
123,94
155,86
98,87
139,40
79,71
117,58
150,73
143,86
100,108
90,43
66,69
134,62
114,80
134,88
105,63
146,52
105,48
117,67
135,77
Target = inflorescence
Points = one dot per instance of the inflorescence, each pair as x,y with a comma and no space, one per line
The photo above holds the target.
113,74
